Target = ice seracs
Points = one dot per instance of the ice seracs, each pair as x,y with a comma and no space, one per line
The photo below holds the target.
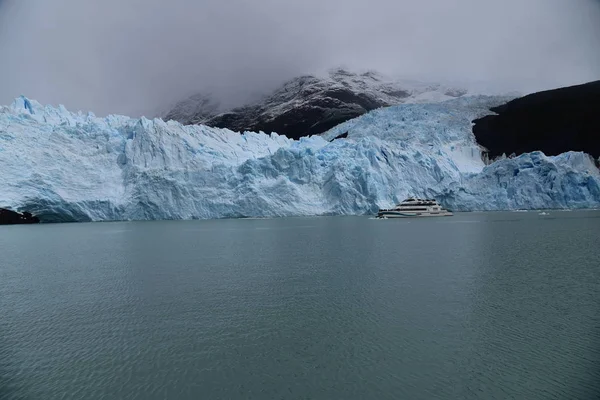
64,166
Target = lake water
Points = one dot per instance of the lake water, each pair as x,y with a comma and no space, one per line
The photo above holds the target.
479,305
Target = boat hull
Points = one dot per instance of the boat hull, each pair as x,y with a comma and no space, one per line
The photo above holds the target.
404,214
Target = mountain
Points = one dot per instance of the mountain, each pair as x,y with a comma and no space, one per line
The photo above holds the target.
195,109
553,121
62,166
309,105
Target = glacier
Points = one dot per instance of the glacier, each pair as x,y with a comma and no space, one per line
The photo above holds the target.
64,166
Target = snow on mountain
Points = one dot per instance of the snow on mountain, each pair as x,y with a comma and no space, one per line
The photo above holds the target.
64,166
195,109
309,105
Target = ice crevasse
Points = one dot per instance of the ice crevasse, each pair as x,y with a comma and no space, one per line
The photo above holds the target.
65,166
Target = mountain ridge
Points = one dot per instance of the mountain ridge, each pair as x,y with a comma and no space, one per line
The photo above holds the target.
311,104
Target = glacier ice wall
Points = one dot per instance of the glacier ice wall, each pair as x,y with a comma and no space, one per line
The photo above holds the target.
67,166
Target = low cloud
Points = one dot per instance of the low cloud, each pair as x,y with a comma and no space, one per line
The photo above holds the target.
139,56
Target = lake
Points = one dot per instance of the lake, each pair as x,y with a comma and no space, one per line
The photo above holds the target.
479,305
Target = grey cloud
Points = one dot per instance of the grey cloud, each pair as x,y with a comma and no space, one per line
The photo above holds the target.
136,56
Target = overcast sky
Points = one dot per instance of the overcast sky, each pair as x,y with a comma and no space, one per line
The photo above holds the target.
136,56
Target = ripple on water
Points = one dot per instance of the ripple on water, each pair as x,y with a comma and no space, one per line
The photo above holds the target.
505,307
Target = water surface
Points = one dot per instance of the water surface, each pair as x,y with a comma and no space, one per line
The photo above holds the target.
479,305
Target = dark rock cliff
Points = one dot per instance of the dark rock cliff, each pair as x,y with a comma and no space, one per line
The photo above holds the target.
552,121
8,217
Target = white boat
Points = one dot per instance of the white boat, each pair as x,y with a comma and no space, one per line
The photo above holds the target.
413,207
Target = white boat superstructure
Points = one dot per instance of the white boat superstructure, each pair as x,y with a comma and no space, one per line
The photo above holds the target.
414,207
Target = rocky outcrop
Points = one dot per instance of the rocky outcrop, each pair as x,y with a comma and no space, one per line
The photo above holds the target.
553,121
8,217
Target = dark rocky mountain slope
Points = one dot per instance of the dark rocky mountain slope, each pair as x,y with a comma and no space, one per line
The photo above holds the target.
552,121
309,105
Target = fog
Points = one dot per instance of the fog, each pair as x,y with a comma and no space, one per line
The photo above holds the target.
139,56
